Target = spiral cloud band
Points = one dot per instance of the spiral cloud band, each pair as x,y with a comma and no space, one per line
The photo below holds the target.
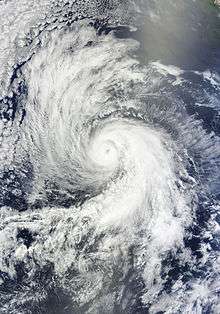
105,176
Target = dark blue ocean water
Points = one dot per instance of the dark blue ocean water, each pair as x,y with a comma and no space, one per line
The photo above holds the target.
184,35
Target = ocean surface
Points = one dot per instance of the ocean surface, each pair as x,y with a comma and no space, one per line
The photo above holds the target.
109,157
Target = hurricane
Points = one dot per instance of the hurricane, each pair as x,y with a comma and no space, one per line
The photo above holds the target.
110,157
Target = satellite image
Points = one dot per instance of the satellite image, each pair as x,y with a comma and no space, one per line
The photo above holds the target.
109,157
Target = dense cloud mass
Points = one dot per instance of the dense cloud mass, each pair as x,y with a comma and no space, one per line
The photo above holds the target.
109,170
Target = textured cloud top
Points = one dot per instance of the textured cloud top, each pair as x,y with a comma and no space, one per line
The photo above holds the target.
109,175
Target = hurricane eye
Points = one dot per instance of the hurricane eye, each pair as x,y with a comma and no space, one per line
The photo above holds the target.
109,157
